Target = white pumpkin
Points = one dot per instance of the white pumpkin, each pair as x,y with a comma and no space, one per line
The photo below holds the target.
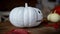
53,17
25,16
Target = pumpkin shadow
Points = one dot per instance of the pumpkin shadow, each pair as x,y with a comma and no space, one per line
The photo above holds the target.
38,26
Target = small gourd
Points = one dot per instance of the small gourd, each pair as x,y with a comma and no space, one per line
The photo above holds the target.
48,17
53,17
25,16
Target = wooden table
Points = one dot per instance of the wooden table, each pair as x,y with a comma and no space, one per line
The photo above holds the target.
7,26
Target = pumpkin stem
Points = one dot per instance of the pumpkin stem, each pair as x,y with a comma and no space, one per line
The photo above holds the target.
26,5
55,11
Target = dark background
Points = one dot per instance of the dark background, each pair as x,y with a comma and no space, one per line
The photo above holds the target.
7,5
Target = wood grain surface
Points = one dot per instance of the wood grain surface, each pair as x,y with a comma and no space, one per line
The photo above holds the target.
7,26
